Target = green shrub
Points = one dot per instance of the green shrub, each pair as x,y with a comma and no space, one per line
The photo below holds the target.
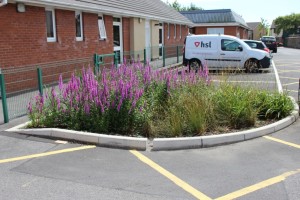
234,106
273,105
136,101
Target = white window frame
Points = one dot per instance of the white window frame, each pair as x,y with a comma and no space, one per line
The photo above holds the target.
81,26
180,32
52,39
3,2
168,31
175,31
101,28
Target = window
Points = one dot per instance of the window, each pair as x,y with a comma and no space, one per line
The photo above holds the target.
78,23
230,45
168,31
50,23
101,26
174,31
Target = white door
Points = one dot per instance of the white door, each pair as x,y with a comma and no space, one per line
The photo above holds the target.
231,55
118,38
215,31
148,39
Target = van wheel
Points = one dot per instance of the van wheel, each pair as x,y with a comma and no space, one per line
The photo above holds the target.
195,65
252,66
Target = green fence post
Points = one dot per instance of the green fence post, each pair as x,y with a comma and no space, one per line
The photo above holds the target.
40,80
96,63
3,95
164,56
116,59
177,53
145,57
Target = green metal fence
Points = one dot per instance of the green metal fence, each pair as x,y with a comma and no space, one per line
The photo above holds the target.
20,84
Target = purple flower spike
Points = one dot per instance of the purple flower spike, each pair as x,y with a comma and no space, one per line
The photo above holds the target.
61,84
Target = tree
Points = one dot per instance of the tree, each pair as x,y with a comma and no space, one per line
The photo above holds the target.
263,26
175,5
289,23
179,7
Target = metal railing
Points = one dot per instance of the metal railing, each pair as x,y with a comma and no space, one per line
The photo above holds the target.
20,84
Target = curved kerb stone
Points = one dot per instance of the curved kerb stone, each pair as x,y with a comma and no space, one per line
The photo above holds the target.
159,144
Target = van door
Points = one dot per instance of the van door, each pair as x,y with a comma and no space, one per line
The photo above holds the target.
231,54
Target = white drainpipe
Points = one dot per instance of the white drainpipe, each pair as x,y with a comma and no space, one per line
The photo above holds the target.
3,2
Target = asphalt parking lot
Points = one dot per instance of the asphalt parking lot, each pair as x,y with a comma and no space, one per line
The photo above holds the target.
262,168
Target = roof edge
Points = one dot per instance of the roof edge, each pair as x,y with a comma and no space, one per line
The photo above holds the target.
74,6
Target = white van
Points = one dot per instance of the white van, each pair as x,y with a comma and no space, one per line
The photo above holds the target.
222,52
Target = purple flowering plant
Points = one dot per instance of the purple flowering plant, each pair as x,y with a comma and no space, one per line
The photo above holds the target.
124,100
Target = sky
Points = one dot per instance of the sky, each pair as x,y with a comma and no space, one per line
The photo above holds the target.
250,10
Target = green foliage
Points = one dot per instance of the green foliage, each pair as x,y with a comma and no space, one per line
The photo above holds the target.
264,26
288,23
273,106
234,106
188,108
177,6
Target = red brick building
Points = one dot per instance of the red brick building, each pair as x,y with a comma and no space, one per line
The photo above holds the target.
223,21
68,32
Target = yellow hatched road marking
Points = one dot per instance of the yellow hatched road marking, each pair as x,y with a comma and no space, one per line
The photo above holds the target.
258,186
282,141
46,154
188,188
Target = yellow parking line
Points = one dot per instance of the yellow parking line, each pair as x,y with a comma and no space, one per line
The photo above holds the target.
290,83
188,188
282,141
258,186
46,154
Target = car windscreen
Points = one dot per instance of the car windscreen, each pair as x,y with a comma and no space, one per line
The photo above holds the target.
268,39
261,45
251,44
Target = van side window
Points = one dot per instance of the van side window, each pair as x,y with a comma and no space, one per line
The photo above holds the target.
229,45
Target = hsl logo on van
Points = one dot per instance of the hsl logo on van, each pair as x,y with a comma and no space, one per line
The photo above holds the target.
203,44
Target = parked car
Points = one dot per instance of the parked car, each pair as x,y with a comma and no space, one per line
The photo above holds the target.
270,42
222,52
255,44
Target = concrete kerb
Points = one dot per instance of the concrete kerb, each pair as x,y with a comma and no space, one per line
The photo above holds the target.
159,144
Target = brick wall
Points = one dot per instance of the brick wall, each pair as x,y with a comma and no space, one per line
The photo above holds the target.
24,40
172,42
228,30
168,41
200,30
24,45
293,42
126,33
